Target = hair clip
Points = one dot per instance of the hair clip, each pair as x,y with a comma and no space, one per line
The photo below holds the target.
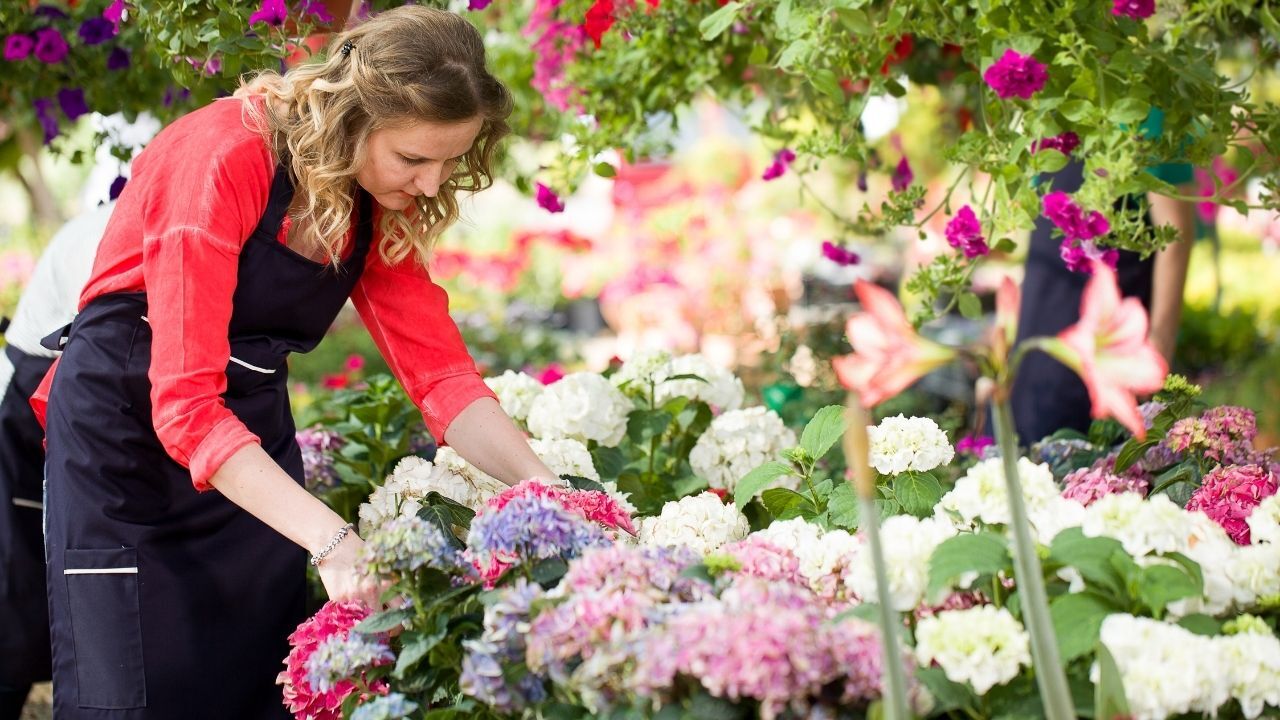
347,47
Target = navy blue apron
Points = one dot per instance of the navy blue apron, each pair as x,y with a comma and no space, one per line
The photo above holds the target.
165,602
24,610
1047,395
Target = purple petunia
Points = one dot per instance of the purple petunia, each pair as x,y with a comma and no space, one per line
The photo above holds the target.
781,161
548,199
1066,143
117,187
316,9
902,175
964,232
18,47
478,4
48,121
1070,218
51,48
839,254
272,12
1016,75
1136,9
118,59
50,12
71,100
96,30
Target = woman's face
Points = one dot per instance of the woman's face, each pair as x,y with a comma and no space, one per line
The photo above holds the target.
404,162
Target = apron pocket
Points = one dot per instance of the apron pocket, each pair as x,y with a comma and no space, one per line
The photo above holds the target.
106,626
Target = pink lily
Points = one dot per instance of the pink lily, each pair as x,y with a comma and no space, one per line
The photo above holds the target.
1005,331
1111,352
888,355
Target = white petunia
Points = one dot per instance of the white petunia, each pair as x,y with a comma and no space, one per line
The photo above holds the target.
983,646
899,444
516,392
908,544
583,406
702,523
738,442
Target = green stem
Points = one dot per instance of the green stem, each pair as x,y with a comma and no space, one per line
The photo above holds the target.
1050,677
895,688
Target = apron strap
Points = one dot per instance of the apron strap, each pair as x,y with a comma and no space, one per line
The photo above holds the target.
277,202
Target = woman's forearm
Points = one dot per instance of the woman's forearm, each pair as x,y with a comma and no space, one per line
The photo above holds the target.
1170,273
486,437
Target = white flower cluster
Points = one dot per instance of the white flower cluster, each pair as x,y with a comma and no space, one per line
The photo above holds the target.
1264,521
583,406
983,646
516,392
1168,670
722,389
702,523
1252,573
566,456
982,497
825,556
908,544
414,478
738,442
899,444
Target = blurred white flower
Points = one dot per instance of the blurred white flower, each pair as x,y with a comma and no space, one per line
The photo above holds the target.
516,392
983,646
738,442
908,544
652,370
583,406
1165,669
414,478
982,496
702,523
1264,521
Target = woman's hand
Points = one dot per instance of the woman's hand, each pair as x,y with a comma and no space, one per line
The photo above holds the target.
344,578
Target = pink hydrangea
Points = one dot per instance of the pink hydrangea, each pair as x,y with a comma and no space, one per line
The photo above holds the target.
1223,434
333,619
1016,75
593,505
964,233
1088,485
757,557
1229,494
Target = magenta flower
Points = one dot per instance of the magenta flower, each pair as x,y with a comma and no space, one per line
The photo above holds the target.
1229,494
18,47
478,4
1136,9
51,48
548,199
114,12
964,232
334,619
781,161
552,373
71,100
902,175
974,445
1016,75
1079,255
272,12
839,254
759,558
1070,218
1066,143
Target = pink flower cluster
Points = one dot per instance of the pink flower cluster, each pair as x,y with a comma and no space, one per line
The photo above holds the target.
555,43
1136,9
593,505
961,600
781,161
1016,75
333,619
964,233
1229,494
1223,434
839,254
759,558
1078,248
762,641
1088,485
1066,143
975,445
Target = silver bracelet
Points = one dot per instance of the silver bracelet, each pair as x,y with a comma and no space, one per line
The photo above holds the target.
333,543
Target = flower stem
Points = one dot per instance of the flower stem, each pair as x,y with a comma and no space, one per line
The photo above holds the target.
895,686
1050,677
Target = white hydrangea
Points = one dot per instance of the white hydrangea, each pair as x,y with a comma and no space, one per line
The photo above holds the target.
738,442
1264,521
908,544
1166,669
899,444
1141,525
566,456
1251,661
583,406
825,556
516,392
1052,517
1253,572
413,478
982,496
1209,546
983,646
722,389
702,523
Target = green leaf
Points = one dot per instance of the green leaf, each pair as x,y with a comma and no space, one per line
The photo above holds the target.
917,492
547,572
709,707
1180,473
855,21
1076,110
607,461
894,88
947,694
823,431
758,479
759,54
1160,585
1201,624
1109,701
825,81
1049,161
416,647
605,170
1091,556
1133,451
1129,110
785,504
717,22
970,305
842,506
384,621
794,53
1077,620
983,553
581,483
1005,245
782,16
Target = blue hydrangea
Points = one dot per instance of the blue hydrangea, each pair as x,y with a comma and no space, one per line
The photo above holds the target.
405,544
388,707
532,528
340,658
502,644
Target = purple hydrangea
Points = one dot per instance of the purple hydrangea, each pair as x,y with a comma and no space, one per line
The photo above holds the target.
1016,75
406,544
501,644
18,47
96,30
342,657
318,449
964,233
1223,434
51,48
529,528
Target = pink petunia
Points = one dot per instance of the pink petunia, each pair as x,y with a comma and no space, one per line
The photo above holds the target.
902,175
1016,75
964,233
781,161
1136,9
548,199
272,12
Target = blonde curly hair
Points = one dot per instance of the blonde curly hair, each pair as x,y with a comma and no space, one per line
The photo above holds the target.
406,65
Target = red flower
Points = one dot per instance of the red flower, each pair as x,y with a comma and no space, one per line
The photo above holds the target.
354,363
598,21
334,381
901,51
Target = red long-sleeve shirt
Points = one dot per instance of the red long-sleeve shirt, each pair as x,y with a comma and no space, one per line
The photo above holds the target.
197,192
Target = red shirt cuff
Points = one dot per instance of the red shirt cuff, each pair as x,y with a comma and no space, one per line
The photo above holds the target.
450,396
222,441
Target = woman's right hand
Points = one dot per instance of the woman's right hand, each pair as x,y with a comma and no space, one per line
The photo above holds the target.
344,578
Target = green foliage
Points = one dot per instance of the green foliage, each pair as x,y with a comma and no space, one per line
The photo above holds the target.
817,439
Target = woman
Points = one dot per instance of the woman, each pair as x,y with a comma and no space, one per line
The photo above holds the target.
245,227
